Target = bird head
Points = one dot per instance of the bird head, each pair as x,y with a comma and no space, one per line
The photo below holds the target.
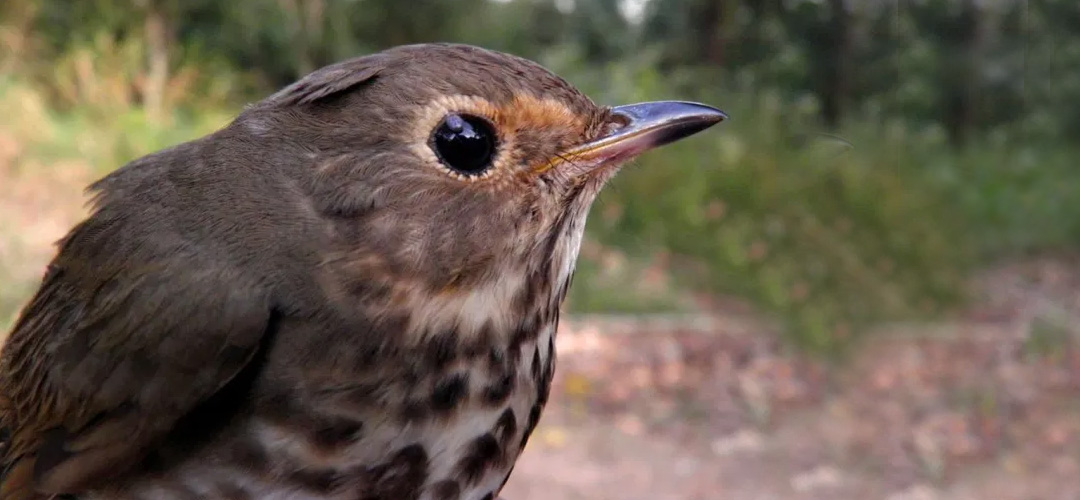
451,168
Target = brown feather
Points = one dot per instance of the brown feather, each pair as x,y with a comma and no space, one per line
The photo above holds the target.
120,351
309,270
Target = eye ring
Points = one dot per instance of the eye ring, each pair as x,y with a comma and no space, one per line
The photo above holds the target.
465,144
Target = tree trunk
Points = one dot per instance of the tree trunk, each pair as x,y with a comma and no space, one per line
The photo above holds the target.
709,28
835,85
962,96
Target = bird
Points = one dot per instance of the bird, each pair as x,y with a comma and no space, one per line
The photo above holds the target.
350,291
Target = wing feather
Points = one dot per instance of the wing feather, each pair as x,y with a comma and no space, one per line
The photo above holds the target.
112,351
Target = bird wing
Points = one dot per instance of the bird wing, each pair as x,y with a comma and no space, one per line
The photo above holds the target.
125,336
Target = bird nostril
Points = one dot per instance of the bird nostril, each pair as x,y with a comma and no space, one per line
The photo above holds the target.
618,122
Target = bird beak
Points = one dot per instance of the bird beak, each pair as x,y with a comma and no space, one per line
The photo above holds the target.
646,126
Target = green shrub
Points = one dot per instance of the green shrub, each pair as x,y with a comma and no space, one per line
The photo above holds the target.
831,233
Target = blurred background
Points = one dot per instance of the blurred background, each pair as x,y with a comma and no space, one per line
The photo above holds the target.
866,284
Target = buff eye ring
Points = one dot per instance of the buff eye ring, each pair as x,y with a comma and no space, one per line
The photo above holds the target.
465,144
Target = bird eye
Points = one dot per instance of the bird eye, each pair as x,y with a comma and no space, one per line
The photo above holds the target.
465,144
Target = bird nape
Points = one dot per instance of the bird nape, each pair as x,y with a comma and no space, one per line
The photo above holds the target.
351,291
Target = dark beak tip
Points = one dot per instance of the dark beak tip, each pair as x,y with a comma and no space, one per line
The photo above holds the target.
671,121
707,115
649,125
680,114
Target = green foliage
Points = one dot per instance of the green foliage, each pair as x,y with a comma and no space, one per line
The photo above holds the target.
826,236
832,231
612,282
101,135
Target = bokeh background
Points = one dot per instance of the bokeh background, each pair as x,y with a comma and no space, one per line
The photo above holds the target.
865,285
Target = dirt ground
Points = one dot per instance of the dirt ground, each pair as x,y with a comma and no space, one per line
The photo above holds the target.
984,407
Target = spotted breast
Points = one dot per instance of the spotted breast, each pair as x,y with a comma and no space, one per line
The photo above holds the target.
444,419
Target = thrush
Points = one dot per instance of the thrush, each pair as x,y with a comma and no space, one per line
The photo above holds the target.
349,292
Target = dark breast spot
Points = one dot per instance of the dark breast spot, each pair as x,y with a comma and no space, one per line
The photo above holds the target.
534,418
334,433
537,368
504,369
489,496
449,392
529,295
505,428
498,391
482,455
445,490
484,339
496,358
413,411
543,384
317,481
412,374
326,433
442,349
546,313
400,478
525,332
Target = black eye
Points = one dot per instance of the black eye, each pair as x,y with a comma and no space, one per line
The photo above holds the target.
464,143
